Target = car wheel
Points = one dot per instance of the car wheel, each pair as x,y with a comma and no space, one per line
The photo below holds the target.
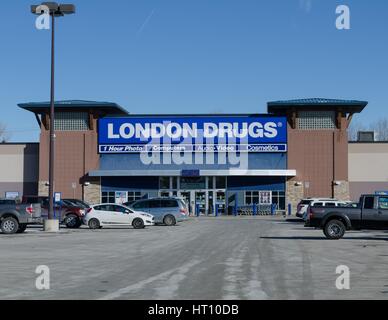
138,223
94,224
9,225
334,230
72,221
22,228
169,220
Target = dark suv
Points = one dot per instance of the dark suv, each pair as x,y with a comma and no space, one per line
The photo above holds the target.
168,211
77,203
68,213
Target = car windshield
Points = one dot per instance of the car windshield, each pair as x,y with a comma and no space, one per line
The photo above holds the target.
85,204
129,203
77,203
182,204
68,203
305,202
140,205
383,202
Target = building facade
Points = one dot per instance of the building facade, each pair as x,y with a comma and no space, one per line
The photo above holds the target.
19,165
76,143
217,162
368,168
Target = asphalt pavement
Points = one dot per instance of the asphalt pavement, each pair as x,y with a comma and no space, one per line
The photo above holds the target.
203,258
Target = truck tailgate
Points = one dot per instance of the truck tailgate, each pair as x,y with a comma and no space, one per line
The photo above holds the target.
37,210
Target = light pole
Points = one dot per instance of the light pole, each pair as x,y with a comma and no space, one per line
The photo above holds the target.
54,10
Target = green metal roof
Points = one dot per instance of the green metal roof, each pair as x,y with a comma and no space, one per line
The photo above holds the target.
108,107
346,105
317,101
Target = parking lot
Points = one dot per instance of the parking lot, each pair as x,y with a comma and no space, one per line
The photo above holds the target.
203,258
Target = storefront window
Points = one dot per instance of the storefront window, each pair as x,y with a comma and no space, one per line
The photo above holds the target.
175,183
282,203
121,197
251,197
164,183
108,197
220,182
210,183
134,195
220,196
164,194
118,196
191,183
279,198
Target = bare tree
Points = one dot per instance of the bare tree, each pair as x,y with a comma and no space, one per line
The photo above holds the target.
380,127
4,137
354,128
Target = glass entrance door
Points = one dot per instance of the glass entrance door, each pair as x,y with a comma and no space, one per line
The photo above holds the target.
210,203
186,196
197,201
201,203
220,203
204,202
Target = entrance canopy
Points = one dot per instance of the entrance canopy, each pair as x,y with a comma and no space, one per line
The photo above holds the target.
178,173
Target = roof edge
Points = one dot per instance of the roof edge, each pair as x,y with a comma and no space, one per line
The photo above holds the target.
38,107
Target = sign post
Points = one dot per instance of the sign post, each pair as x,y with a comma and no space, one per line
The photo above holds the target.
57,199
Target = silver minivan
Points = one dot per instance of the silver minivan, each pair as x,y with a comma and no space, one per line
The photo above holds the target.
166,211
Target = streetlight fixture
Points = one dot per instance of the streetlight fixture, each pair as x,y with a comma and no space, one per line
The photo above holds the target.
54,10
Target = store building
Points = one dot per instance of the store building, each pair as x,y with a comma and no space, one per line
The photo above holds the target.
217,162
368,167
19,167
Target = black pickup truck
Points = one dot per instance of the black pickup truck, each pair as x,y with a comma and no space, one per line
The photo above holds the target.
371,213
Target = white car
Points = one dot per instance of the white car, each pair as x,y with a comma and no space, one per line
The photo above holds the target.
108,214
304,203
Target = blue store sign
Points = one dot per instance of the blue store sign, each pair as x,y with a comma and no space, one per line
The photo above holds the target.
195,134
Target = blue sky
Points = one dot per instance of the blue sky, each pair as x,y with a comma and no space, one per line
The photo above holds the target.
189,56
